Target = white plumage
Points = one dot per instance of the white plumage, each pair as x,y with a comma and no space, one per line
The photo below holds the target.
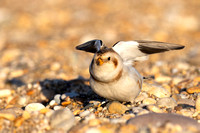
112,73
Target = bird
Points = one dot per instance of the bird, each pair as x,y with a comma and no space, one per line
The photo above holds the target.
112,74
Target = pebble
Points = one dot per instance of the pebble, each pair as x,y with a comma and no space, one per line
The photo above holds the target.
57,107
57,98
52,103
148,101
84,113
5,93
93,130
141,97
154,108
159,119
155,90
8,116
197,104
117,107
22,101
118,120
34,107
162,79
62,119
186,112
186,101
192,90
137,110
63,96
128,129
26,115
167,102
65,103
94,122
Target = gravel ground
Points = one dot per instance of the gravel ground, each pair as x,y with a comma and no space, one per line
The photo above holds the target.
44,81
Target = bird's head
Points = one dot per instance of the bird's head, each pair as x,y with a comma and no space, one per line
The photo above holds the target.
106,65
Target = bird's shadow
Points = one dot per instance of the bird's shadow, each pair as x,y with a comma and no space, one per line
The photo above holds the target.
77,89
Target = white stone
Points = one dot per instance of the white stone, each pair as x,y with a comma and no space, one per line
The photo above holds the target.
34,107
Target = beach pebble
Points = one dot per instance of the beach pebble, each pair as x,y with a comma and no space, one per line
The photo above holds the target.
117,107
195,89
8,116
186,112
148,101
186,101
84,113
34,107
22,100
137,110
141,97
167,102
159,119
5,93
52,103
162,78
155,90
62,119
93,130
94,122
57,98
154,108
57,107
197,104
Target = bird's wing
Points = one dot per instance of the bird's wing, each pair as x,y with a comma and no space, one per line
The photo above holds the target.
131,51
92,46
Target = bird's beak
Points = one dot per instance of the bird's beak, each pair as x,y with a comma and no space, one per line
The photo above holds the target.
100,61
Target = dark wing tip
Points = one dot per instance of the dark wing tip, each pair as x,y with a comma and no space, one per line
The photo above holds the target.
179,47
151,47
90,46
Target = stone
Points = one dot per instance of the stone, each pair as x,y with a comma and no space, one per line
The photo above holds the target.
159,119
84,113
34,107
8,116
137,110
186,101
93,130
141,97
5,93
155,90
186,112
197,104
62,119
167,102
57,98
128,129
22,101
148,101
52,103
192,90
154,108
94,122
162,79
65,103
57,107
117,108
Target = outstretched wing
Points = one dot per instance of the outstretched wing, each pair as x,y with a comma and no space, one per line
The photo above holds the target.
92,46
131,51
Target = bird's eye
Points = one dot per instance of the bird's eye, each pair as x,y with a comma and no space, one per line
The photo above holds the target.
108,58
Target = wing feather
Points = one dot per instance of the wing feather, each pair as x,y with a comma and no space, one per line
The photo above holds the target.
131,51
92,46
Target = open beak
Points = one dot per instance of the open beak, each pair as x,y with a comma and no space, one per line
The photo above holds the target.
100,61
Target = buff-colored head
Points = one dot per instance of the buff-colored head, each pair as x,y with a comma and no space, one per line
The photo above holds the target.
106,65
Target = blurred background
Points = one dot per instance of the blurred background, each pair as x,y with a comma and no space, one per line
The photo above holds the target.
38,38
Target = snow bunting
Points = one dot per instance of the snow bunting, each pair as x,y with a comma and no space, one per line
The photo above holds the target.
112,74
